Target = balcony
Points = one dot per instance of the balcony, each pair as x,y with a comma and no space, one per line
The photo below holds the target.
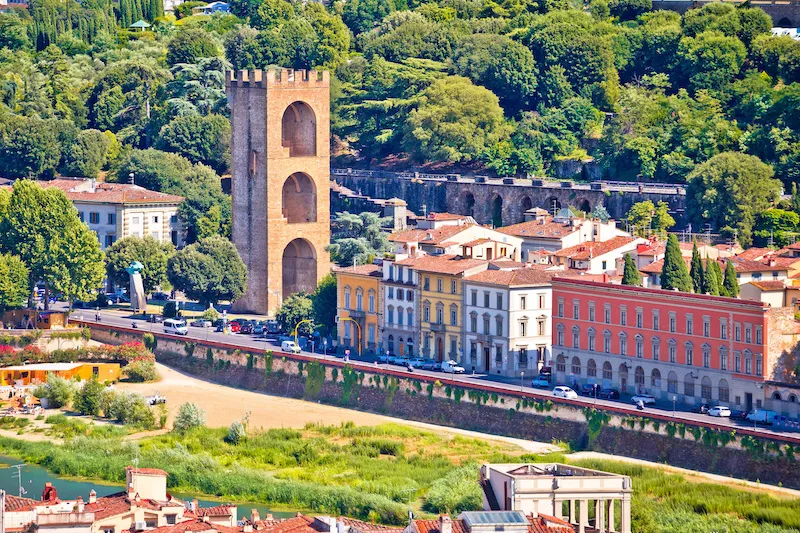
357,315
437,327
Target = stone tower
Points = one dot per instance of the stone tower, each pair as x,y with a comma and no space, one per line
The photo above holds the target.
280,162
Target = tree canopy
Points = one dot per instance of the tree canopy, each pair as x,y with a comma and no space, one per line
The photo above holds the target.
209,270
152,254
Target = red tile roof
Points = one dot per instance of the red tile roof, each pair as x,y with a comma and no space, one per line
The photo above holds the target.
548,524
429,236
219,510
746,265
588,250
298,524
371,270
110,193
477,242
16,503
770,285
112,505
196,526
444,216
441,264
368,526
537,229
754,254
432,526
147,471
535,275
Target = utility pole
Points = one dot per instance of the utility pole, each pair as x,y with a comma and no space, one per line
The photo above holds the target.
18,475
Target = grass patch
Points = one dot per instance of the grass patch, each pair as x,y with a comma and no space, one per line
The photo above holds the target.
666,503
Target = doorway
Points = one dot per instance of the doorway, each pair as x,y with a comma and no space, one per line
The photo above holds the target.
748,401
486,353
439,349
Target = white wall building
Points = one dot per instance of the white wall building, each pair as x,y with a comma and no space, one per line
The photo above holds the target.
117,210
399,330
507,321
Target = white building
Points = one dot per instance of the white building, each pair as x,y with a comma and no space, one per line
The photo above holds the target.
399,329
117,210
597,257
507,321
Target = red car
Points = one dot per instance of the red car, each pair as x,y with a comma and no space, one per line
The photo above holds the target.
235,326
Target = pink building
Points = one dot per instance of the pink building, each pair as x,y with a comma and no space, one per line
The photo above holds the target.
692,348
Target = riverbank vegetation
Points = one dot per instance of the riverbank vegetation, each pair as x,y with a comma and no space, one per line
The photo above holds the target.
380,472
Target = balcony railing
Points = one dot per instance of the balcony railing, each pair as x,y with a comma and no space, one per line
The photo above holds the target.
54,519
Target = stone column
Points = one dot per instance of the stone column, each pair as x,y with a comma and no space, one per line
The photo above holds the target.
572,517
625,520
599,515
584,516
557,504
611,516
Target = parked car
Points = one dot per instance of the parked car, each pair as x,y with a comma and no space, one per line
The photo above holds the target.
201,323
565,392
608,394
159,296
702,408
429,364
234,326
415,362
273,327
541,382
290,346
761,416
176,326
258,328
451,367
397,359
245,327
720,410
646,399
738,414
384,358
155,319
591,390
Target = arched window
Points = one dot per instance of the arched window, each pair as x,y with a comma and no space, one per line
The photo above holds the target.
299,130
299,199
576,366
608,373
777,396
576,337
792,398
639,346
672,383
706,355
688,385
723,358
591,368
359,299
724,391
689,352
705,388
638,376
561,363
656,345
606,341
347,297
590,334
390,343
673,351
623,344
371,301
655,378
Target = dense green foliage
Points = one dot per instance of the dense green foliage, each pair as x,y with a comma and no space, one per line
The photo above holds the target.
294,309
630,274
323,304
152,254
674,274
209,270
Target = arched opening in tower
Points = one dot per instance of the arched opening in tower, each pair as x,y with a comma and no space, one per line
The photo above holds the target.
299,268
299,199
526,204
299,130
497,211
467,204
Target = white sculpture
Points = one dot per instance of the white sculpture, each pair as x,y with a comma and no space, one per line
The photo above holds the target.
138,297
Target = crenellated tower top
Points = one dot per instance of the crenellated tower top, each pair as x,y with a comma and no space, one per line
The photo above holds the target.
273,77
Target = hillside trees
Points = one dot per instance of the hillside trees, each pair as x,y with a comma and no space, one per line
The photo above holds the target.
209,271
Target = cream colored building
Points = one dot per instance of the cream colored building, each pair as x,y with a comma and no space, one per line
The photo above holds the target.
118,210
563,491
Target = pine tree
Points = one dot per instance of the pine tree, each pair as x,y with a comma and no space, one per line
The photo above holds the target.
713,277
630,275
696,272
795,198
675,275
731,284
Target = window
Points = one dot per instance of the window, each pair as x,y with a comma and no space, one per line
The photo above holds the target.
656,320
724,392
95,370
560,312
591,369
347,298
135,220
108,530
426,312
359,300
672,352
576,366
453,286
748,334
371,334
748,363
560,336
623,344
498,352
607,373
576,310
426,283
391,292
156,235
706,327
756,276
540,326
623,316
371,302
410,315
607,343
639,347
672,321
688,386
473,323
453,347
639,319
522,303
689,325
94,218
486,299
151,523
454,316
170,519
80,215
723,330
499,323
173,235
758,365
109,240
737,332
705,389
591,340
607,314
672,384
737,362
561,364
522,327
499,300
399,316
604,265
410,295
706,357
400,294
723,358
155,220
523,355
439,285
656,349
486,326
173,219
576,337
474,297
758,335
112,219
689,354
440,315
591,312
541,301
390,315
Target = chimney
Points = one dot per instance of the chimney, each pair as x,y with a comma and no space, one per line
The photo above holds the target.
94,184
268,516
92,496
254,516
79,504
445,524
49,494
131,491
195,507
206,518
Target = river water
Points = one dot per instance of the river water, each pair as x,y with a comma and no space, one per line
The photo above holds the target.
34,478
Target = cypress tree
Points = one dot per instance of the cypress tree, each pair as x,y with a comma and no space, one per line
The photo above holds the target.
713,277
674,274
696,272
731,284
631,276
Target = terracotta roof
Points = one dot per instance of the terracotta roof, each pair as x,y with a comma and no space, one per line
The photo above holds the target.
745,265
368,526
537,229
506,263
298,524
118,503
110,193
754,254
16,503
432,526
770,285
527,276
147,471
548,524
444,216
441,264
196,526
361,270
588,250
478,242
219,510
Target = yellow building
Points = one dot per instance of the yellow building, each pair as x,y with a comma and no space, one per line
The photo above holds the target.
37,373
358,308
440,298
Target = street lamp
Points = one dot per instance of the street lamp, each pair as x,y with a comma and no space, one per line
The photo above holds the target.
521,380
674,399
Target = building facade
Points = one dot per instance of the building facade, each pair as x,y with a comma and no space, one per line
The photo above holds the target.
358,308
280,167
507,321
682,347
400,326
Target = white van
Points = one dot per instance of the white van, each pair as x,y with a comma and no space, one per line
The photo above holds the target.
176,326
761,416
290,346
451,367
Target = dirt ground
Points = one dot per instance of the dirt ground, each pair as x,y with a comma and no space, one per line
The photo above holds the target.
223,405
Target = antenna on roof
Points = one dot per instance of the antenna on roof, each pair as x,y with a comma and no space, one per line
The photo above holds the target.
18,475
135,460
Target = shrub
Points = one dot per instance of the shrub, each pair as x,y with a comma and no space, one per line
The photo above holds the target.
457,491
132,409
149,341
236,433
170,310
107,397
141,371
211,314
58,391
189,417
87,400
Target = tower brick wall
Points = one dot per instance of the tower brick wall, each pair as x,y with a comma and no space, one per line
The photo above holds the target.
280,163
